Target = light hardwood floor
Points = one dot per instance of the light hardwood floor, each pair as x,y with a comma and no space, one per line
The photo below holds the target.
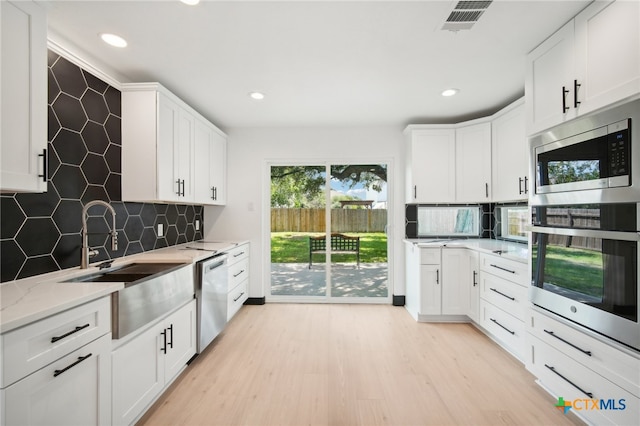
321,364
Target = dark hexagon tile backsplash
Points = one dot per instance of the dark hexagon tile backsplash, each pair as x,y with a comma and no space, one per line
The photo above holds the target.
40,233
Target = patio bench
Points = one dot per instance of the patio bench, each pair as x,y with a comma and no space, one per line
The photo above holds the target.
340,244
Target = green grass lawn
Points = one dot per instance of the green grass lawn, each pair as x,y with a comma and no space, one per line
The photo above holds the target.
293,247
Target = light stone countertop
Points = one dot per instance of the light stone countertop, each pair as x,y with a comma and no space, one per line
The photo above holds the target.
31,299
507,249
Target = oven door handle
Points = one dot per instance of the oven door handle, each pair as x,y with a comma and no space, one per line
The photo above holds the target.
594,233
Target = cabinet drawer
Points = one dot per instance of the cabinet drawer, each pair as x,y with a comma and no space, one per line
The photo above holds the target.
511,298
33,346
616,365
430,256
74,390
236,298
566,378
508,330
238,253
505,268
238,272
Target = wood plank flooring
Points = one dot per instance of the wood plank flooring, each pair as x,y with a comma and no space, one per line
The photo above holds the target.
322,364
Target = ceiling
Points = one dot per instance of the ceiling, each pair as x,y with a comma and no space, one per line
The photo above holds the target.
319,63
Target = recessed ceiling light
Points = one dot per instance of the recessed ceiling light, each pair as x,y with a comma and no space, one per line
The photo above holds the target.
256,95
450,92
190,2
113,40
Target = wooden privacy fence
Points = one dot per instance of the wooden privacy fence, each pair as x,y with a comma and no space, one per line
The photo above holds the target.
342,220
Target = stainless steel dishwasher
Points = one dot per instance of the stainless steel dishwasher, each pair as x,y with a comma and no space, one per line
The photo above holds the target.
211,296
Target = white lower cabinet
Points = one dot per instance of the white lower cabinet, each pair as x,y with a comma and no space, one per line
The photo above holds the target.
504,301
56,371
74,390
145,364
438,283
599,381
238,264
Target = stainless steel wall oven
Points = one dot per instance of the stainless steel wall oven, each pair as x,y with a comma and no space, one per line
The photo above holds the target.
586,223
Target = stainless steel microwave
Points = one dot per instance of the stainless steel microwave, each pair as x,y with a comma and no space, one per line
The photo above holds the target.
593,159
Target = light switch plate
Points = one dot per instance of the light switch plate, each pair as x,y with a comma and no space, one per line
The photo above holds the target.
160,230
197,224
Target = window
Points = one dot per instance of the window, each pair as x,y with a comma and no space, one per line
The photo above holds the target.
512,221
449,221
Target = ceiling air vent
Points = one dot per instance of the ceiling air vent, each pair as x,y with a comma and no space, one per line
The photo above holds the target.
465,14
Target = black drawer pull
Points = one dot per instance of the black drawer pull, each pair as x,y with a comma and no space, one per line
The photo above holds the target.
78,328
589,394
237,298
56,373
238,274
502,294
475,282
503,269
568,343
239,254
500,325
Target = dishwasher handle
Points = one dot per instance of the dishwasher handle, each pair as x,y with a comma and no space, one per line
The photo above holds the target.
215,265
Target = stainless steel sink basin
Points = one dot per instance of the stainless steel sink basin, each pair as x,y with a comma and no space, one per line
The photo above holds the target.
129,274
151,290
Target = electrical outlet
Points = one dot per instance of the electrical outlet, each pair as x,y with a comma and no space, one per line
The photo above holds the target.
197,224
160,230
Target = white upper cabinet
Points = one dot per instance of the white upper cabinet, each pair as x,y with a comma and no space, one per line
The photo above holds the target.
509,154
23,140
169,151
549,81
210,164
430,164
473,163
591,62
607,46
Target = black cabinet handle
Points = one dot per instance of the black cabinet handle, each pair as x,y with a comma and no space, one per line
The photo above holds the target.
589,394
503,269
238,274
576,102
475,282
75,330
164,343
565,108
236,299
239,254
567,342
500,325
171,336
45,171
178,193
183,187
56,373
437,276
486,189
415,192
502,294
213,193
526,186
520,186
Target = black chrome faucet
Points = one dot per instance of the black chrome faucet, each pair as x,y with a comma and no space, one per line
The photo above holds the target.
88,252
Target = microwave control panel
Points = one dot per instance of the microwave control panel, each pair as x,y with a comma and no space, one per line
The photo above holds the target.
619,155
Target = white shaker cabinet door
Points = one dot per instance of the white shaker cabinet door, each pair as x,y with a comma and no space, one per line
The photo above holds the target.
169,183
180,329
549,81
433,166
509,154
607,44
74,390
473,163
23,137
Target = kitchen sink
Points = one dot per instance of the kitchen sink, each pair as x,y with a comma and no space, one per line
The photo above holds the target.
150,291
129,274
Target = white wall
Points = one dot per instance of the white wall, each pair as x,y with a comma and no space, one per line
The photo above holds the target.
245,216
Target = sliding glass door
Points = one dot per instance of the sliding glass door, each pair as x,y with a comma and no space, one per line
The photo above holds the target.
328,238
